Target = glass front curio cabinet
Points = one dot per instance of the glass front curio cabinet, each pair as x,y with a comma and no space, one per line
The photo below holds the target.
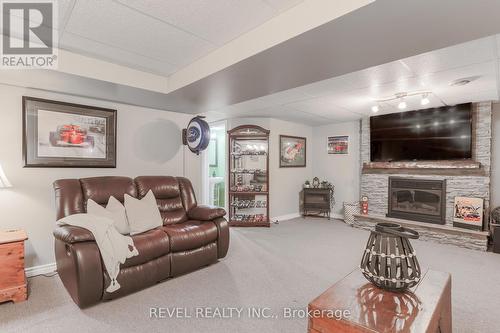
249,176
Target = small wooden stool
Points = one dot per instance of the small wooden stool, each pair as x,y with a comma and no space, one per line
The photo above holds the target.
13,285
424,308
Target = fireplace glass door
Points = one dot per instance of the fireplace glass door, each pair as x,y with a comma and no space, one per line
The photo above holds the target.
417,199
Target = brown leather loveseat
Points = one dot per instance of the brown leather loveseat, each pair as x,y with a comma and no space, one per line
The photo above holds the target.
192,236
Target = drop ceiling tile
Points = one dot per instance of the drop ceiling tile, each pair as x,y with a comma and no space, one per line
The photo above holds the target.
91,48
482,73
414,103
282,112
218,21
361,100
473,52
119,26
304,118
371,77
282,5
324,107
63,11
470,96
485,82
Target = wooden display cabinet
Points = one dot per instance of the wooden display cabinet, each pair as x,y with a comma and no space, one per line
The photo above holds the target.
248,176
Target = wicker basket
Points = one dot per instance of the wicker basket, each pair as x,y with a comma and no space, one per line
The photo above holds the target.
350,208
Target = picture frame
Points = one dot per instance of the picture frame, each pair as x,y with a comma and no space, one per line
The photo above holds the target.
338,144
67,135
293,151
468,213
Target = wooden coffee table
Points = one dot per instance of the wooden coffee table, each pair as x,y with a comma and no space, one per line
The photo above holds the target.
424,308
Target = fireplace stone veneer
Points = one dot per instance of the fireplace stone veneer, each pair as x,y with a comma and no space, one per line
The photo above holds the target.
376,185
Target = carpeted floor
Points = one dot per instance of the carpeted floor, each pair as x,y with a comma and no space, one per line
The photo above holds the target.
285,266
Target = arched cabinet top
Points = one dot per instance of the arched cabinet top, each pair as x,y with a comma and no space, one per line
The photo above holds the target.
248,130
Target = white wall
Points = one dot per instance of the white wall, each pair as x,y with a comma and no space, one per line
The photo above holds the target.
343,171
148,143
495,156
285,184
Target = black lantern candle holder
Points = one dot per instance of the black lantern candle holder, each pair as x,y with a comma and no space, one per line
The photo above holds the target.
389,261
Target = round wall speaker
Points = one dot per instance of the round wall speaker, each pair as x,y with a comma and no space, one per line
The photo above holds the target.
197,135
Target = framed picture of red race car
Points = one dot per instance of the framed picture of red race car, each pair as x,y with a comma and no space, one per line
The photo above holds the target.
292,151
58,134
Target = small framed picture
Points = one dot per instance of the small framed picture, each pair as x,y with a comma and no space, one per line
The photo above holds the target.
58,134
468,213
338,144
292,151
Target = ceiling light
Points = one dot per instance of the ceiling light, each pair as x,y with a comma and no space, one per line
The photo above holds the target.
425,100
375,108
402,105
418,126
452,121
436,123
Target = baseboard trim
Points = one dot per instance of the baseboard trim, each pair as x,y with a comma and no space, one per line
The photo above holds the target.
285,217
295,215
41,269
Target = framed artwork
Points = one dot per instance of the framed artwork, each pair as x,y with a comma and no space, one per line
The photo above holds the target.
292,151
468,213
338,144
58,134
212,152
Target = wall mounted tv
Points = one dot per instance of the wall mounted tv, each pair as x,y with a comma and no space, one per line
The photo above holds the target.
443,133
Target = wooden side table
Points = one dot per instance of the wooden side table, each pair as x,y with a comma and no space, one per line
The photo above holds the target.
424,308
13,286
316,201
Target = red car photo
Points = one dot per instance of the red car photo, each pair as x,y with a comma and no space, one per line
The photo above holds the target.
71,136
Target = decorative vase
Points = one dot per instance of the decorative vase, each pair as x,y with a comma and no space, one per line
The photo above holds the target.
389,261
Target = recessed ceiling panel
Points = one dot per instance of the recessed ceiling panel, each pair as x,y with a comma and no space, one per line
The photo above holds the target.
373,76
91,48
283,5
119,26
474,52
217,21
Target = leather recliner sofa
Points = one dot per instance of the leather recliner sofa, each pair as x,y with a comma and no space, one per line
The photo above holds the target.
191,237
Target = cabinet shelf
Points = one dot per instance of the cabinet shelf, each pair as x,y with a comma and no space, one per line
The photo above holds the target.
249,173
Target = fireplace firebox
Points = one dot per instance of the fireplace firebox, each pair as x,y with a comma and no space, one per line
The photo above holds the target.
417,199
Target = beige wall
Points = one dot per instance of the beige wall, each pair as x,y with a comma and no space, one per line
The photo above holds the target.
149,143
341,170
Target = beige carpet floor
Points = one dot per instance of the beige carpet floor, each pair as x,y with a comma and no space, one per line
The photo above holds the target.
285,266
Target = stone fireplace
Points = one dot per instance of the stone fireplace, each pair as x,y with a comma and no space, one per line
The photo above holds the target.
421,195
417,199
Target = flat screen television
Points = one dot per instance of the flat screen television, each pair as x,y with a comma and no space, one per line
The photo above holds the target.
443,133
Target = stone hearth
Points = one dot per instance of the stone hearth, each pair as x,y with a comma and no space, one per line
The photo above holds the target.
443,234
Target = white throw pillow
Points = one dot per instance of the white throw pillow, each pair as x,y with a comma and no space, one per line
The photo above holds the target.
114,210
143,215
83,220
